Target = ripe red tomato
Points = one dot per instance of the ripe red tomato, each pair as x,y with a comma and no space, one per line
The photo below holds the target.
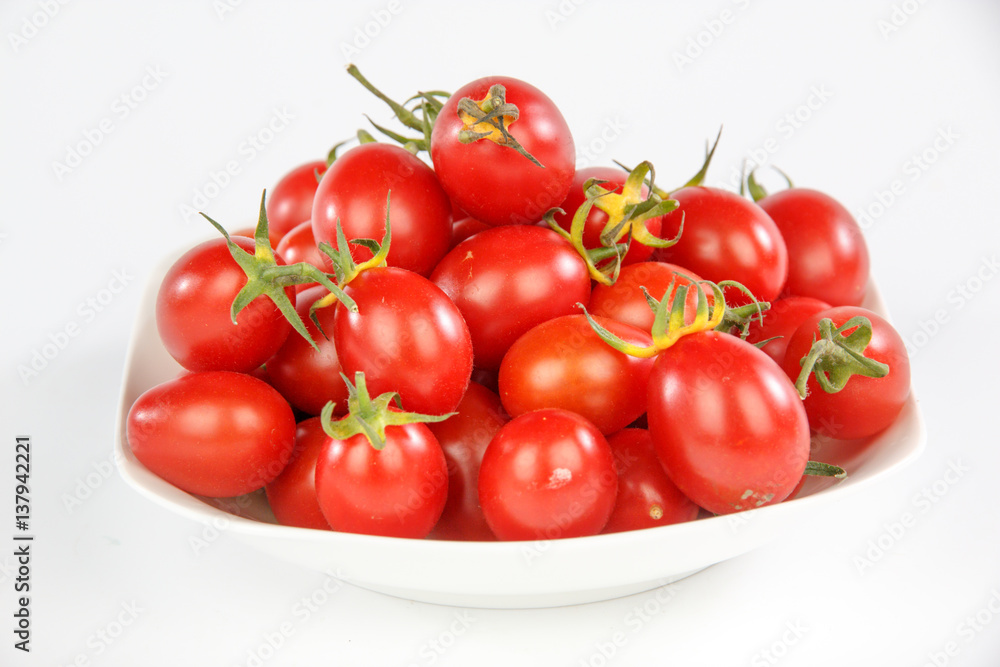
865,406
646,496
495,183
827,253
354,191
192,312
624,301
563,363
728,427
546,475
397,491
290,202
215,433
464,228
464,438
407,337
292,494
780,322
726,237
298,245
308,378
507,280
597,219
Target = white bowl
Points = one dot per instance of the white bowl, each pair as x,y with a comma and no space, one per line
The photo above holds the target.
503,574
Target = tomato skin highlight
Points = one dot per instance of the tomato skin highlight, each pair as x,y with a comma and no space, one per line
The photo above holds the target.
306,377
494,183
464,438
596,220
193,306
508,279
547,474
407,337
726,237
865,406
290,201
398,491
354,191
827,254
292,494
780,322
213,433
646,496
562,363
728,427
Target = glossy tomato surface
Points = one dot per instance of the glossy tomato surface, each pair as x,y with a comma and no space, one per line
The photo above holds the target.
292,494
625,302
494,183
508,279
563,363
193,312
354,190
289,202
215,433
407,337
546,475
299,245
727,425
781,320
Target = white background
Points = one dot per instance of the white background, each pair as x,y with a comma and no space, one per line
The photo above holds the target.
889,83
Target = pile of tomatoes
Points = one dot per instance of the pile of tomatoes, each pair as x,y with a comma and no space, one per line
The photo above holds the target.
487,343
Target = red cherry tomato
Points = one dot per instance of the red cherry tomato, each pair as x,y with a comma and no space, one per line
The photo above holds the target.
507,280
192,312
780,322
292,494
495,183
215,433
827,253
646,496
464,438
865,406
397,491
464,228
726,237
562,363
354,191
547,474
624,301
407,337
298,245
597,219
306,377
290,201
728,427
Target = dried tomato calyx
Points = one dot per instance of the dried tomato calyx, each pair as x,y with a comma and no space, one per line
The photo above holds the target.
266,277
490,118
835,358
368,415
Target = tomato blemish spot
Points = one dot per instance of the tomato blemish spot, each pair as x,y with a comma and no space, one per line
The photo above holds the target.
559,478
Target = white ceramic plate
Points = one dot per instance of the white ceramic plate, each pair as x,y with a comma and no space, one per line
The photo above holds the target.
503,574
